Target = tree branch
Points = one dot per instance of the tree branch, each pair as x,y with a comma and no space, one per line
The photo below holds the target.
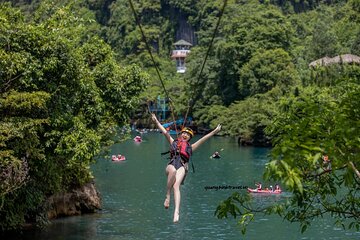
7,84
355,169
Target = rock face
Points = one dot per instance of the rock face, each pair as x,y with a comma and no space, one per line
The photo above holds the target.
83,200
185,31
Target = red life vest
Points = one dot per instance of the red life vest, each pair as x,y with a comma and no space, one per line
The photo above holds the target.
181,148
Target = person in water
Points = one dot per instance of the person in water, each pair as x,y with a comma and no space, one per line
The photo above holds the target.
216,155
180,153
258,186
326,163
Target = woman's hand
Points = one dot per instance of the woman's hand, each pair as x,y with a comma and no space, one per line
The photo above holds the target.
206,137
218,128
153,117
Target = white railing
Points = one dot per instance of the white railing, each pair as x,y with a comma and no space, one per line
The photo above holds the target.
181,53
180,69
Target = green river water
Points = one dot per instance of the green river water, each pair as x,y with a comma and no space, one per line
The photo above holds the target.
133,192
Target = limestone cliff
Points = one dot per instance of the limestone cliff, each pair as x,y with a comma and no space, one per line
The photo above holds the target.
82,200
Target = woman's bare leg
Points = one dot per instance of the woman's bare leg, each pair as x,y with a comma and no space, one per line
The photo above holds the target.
180,174
170,172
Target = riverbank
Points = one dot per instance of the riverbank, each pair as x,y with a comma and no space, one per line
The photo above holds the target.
79,201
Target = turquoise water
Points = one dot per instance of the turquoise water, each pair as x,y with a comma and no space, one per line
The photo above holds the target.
133,192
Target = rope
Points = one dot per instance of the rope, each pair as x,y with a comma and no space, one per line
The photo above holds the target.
158,72
153,60
186,114
192,103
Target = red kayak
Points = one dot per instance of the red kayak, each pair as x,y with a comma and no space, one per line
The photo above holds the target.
254,190
137,139
118,158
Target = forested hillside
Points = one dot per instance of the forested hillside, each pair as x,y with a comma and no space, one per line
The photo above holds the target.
260,53
74,71
261,50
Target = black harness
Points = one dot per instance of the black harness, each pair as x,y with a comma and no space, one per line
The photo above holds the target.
180,153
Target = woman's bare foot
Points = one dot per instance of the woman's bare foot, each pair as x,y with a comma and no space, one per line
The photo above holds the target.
167,203
176,217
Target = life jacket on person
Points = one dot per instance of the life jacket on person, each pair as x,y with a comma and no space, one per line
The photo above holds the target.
181,148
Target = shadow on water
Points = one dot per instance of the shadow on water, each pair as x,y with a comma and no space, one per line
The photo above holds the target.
133,192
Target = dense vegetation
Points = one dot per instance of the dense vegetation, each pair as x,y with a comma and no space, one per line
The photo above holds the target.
63,96
63,88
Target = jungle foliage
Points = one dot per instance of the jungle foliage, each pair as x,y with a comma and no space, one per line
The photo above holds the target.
63,97
310,124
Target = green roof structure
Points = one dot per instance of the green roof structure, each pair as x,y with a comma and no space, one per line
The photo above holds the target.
182,43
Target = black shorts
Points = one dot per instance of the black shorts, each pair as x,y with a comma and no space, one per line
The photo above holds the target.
178,163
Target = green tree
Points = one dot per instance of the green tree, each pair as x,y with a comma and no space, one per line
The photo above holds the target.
123,31
62,98
266,70
324,41
314,123
244,29
347,27
248,119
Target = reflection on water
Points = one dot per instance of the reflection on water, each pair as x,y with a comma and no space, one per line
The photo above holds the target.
133,192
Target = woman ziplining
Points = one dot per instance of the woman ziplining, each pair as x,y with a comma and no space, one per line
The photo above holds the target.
177,168
180,149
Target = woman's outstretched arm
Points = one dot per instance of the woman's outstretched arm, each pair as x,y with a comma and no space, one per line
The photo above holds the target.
162,129
206,137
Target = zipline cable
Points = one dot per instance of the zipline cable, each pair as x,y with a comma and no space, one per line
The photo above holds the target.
192,102
153,60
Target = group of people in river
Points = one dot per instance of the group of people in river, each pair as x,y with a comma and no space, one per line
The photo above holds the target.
270,188
180,153
178,165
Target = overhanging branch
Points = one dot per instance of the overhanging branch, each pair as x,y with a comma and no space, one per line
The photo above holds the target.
355,169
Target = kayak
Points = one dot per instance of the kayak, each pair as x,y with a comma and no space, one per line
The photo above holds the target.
254,190
137,139
118,158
